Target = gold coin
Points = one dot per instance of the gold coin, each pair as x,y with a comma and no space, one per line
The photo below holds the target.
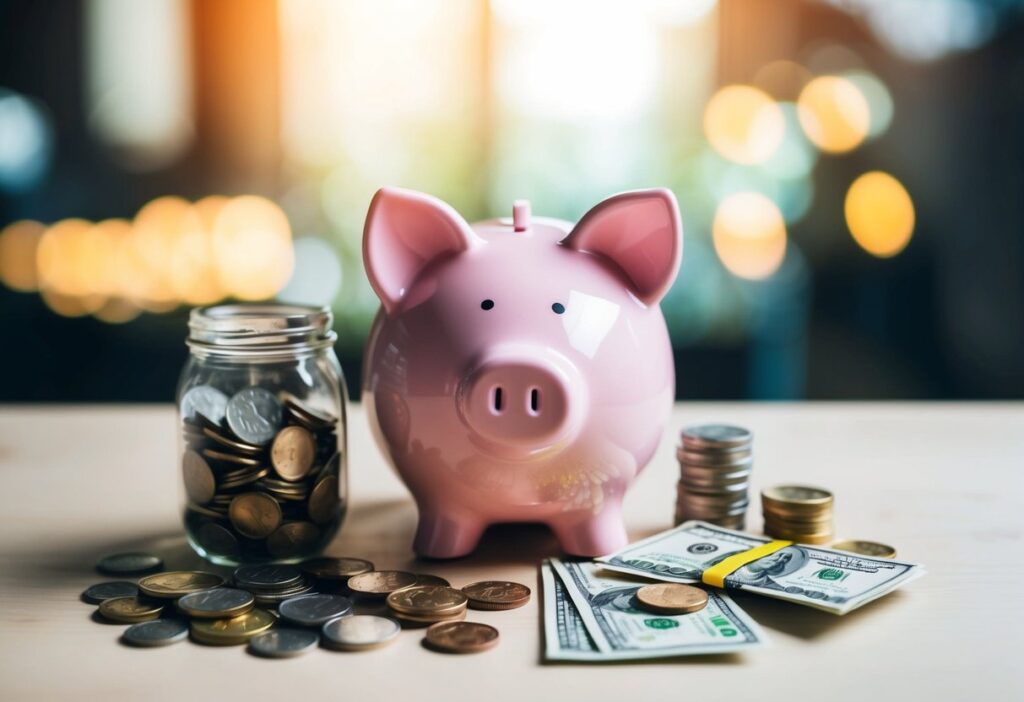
292,452
128,610
796,498
236,630
323,501
379,583
427,600
865,548
461,637
819,539
176,583
496,594
255,515
199,482
293,539
336,568
671,598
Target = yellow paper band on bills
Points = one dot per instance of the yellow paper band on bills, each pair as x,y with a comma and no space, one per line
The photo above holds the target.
716,574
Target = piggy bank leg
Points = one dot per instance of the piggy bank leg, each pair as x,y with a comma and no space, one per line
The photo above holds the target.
594,535
449,534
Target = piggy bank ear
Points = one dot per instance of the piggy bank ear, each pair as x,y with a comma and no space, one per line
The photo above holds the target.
406,230
640,233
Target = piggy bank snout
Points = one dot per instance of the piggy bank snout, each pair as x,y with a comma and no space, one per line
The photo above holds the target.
522,400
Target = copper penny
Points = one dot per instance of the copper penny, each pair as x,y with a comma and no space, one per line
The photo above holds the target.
461,637
292,539
199,482
671,598
292,453
496,594
323,500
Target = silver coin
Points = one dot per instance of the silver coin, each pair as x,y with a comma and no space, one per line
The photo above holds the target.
214,601
314,610
284,643
254,414
99,592
129,563
267,577
158,632
359,631
206,401
722,436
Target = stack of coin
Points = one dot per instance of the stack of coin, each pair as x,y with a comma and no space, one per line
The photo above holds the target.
422,605
715,461
272,584
798,513
262,475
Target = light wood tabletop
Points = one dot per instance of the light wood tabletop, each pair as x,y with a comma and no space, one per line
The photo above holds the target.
944,483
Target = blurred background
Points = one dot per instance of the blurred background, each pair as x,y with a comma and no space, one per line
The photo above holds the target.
850,173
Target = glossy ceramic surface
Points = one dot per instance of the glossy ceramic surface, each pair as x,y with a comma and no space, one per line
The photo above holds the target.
520,370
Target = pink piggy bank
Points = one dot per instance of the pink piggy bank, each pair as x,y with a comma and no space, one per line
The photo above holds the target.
520,371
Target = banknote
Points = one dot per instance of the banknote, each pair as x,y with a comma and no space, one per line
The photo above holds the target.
591,615
833,581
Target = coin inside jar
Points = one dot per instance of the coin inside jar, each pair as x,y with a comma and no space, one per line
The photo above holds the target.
292,538
323,500
254,414
461,637
292,453
199,481
496,594
671,598
255,515
205,401
380,583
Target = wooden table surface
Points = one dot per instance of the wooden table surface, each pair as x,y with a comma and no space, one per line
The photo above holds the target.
941,482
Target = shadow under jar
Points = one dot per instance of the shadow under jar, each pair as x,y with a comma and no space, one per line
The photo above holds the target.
261,409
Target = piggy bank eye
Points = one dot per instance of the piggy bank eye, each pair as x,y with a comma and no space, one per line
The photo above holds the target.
558,308
487,304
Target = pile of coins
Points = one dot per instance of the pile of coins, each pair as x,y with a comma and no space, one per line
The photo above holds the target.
798,513
715,462
262,475
168,607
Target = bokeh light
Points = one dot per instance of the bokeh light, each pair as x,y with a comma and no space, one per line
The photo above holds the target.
782,79
252,245
317,277
156,231
26,142
18,244
744,124
795,156
880,214
834,114
749,235
879,100
193,270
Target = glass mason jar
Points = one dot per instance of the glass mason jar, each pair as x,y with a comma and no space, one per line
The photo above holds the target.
261,412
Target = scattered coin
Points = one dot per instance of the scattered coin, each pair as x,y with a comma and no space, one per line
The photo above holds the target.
336,568
205,401
283,643
254,414
95,594
174,584
496,594
359,632
411,620
128,610
233,631
199,481
314,610
427,601
428,579
157,632
671,598
267,577
129,564
865,548
255,515
217,603
461,637
292,453
380,583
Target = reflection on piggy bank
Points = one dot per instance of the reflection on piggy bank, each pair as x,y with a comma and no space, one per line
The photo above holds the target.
520,371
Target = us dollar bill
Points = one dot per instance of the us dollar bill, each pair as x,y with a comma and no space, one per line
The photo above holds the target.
591,615
833,581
